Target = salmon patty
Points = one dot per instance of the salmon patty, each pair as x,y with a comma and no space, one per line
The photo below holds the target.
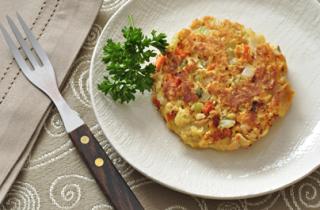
221,85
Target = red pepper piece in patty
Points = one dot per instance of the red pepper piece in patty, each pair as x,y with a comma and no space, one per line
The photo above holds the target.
171,116
156,102
216,120
208,106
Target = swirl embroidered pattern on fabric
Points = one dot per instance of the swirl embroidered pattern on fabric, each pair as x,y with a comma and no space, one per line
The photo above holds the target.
22,196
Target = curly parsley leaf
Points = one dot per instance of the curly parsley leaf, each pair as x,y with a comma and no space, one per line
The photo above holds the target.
128,63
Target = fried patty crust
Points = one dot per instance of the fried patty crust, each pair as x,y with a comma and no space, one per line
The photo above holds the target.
221,85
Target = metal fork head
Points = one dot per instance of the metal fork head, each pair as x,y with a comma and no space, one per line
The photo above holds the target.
40,71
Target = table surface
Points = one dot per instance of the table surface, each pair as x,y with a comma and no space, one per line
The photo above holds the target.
54,177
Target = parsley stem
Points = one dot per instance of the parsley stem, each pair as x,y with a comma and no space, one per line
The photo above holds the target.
130,20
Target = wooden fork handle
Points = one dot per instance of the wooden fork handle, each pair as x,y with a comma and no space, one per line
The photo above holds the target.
106,175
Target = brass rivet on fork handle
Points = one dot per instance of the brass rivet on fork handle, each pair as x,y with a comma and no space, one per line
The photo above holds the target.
84,139
99,162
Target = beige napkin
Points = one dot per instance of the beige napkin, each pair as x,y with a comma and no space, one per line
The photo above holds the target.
61,27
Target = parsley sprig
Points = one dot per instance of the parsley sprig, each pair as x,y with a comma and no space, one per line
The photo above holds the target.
128,64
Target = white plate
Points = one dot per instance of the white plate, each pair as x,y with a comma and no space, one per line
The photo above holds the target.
289,152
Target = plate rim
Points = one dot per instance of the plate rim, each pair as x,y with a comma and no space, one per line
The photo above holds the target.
205,196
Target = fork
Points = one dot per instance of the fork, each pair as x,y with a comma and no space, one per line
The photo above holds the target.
40,73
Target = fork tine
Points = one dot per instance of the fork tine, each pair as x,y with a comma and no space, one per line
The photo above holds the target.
35,44
15,52
23,43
